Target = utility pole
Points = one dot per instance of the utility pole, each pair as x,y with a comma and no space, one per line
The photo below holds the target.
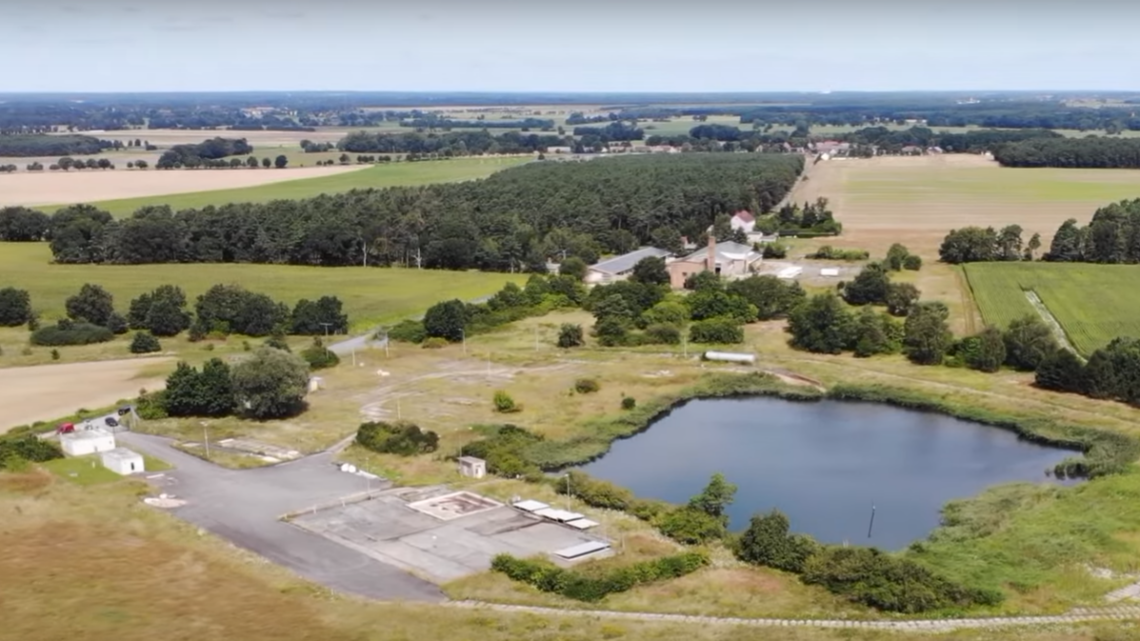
463,336
871,525
326,326
536,338
206,439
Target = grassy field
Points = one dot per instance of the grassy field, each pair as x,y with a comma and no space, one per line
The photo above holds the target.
378,176
1093,303
370,295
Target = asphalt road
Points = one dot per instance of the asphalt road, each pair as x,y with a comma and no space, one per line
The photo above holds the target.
244,506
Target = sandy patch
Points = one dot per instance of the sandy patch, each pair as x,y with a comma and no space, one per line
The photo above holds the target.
55,187
46,392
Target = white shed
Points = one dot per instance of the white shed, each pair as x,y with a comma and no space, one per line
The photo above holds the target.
473,467
123,461
84,442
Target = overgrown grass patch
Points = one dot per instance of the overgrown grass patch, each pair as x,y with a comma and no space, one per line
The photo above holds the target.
82,470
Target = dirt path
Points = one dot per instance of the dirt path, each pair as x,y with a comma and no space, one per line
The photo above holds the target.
1083,615
46,392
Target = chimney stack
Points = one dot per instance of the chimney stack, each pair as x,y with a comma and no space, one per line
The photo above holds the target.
710,260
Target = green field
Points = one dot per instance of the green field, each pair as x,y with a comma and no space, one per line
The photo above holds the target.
370,294
1093,303
377,176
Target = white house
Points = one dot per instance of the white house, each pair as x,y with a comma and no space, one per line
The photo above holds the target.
744,221
84,442
123,461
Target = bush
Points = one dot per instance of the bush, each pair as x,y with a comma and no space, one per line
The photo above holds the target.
15,307
144,343
435,342
505,450
767,542
278,342
55,354
17,450
66,332
717,331
586,385
594,492
628,403
775,250
447,319
912,262
402,438
594,587
878,580
408,331
318,356
152,407
570,335
827,252
690,526
504,403
270,384
661,334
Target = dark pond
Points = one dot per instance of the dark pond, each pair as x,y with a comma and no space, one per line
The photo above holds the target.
825,464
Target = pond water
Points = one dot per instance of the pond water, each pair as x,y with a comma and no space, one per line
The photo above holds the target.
825,464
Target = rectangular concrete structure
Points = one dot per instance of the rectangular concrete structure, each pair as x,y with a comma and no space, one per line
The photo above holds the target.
447,547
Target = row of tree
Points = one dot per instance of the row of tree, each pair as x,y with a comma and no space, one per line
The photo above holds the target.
221,310
460,143
44,145
515,220
1088,152
1112,372
975,244
198,154
268,384
1112,236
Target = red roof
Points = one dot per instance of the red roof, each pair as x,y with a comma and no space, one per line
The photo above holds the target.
744,215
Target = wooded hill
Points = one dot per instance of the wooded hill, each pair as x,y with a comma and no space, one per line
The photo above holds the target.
514,220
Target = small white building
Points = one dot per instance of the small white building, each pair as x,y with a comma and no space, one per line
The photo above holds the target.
475,468
123,461
84,442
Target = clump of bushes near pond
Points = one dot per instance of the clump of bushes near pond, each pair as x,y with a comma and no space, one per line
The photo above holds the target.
571,584
402,438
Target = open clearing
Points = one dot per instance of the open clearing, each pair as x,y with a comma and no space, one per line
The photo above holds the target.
333,180
42,188
1093,303
46,392
369,294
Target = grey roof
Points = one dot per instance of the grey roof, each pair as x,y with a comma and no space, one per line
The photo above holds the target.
625,262
726,251
122,454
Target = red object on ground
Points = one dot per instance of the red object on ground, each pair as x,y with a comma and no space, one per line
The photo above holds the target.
65,428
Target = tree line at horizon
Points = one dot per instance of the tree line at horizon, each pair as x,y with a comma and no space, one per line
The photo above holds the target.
515,220
1090,152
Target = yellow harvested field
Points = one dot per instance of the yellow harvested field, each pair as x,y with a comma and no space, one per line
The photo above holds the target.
46,392
26,188
917,200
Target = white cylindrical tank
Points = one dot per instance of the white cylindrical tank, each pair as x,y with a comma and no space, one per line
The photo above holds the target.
730,357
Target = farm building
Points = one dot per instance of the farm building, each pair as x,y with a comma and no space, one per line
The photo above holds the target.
726,259
620,267
84,442
123,461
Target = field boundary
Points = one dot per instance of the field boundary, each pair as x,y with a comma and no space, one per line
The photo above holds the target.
1051,320
1083,615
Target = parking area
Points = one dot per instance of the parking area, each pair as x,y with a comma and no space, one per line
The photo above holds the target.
442,535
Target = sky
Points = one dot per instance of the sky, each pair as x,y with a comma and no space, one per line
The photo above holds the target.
568,46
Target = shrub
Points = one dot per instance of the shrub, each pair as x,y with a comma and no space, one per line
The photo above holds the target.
408,331
55,354
270,384
767,542
278,342
318,356
152,407
505,450
690,526
594,587
144,343
594,492
402,438
504,403
628,403
775,250
66,332
586,385
827,252
26,447
570,335
435,342
447,319
15,307
662,334
870,577
912,262
716,330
